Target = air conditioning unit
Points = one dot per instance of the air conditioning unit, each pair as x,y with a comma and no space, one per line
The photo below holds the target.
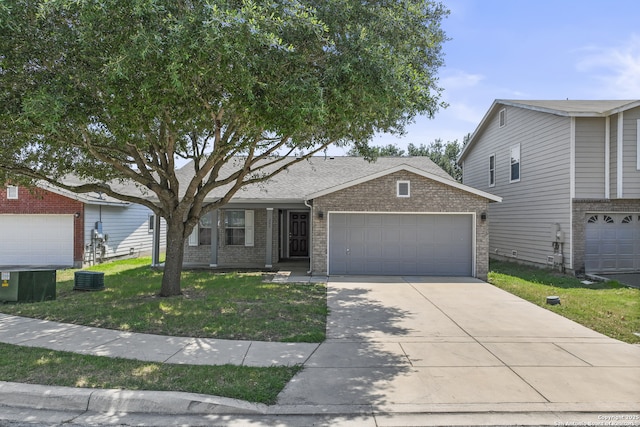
88,281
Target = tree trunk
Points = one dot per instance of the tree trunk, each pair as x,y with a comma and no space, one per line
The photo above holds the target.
173,260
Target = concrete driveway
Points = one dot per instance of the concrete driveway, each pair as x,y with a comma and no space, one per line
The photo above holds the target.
416,344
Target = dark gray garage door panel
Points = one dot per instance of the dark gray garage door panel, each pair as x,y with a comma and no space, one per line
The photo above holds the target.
400,244
612,243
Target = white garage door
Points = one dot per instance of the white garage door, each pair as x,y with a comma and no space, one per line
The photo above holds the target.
36,240
612,243
400,244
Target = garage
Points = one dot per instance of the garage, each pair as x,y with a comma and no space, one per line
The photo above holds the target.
36,240
400,244
612,242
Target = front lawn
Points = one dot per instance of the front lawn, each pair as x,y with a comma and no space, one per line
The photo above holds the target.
606,307
225,306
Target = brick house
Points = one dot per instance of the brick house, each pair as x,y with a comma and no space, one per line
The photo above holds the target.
344,215
45,226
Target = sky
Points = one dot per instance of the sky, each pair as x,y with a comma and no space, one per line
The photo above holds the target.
528,49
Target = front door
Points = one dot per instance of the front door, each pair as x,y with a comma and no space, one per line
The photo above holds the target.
298,234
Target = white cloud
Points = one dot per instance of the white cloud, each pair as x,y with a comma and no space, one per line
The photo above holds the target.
460,80
616,68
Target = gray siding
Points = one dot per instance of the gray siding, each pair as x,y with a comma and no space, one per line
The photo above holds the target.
613,157
630,174
521,223
590,154
127,227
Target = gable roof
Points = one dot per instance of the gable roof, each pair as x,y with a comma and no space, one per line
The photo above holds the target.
323,175
449,182
567,108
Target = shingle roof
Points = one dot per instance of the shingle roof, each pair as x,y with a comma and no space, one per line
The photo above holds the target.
318,174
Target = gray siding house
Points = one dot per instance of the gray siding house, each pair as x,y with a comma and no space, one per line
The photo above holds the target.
569,175
344,216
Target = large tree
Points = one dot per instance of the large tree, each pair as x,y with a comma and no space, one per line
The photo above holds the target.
116,90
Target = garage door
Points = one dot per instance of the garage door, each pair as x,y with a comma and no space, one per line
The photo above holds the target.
36,240
400,244
612,243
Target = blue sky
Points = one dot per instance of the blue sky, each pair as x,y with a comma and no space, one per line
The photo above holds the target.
529,49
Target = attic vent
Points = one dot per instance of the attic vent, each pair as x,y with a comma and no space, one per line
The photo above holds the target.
502,117
403,188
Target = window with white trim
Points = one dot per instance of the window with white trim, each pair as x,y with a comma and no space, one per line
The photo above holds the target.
403,189
204,230
238,227
492,170
515,164
12,192
152,223
502,117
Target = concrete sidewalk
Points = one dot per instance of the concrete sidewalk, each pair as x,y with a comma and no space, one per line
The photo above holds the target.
399,351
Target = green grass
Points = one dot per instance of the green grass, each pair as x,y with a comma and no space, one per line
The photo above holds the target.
606,307
224,306
57,368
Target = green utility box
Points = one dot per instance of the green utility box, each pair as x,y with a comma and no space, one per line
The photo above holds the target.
28,286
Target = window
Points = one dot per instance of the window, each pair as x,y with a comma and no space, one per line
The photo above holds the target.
492,170
238,228
607,219
502,117
593,219
12,192
515,163
403,189
627,219
152,223
204,230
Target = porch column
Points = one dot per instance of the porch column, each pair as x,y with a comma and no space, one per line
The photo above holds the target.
213,261
155,243
269,243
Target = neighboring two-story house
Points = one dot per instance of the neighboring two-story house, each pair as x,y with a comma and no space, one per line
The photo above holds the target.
569,176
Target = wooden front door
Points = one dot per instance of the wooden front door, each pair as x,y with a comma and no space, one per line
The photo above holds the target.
298,234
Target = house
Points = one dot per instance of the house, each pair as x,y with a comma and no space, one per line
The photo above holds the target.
569,175
46,226
347,216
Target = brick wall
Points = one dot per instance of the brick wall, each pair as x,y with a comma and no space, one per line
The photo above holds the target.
239,256
581,209
379,195
42,202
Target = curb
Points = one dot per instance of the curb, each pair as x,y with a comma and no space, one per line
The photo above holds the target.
57,398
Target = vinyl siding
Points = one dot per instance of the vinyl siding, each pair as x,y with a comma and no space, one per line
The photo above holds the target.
523,220
590,150
613,157
630,174
127,227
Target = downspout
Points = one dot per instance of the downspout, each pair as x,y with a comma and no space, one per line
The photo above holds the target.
306,203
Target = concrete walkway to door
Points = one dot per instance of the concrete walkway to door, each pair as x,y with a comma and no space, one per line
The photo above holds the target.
416,345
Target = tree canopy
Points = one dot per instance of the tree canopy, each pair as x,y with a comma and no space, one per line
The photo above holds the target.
442,154
118,90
